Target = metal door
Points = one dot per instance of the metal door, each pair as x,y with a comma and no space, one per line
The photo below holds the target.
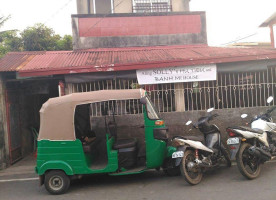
13,120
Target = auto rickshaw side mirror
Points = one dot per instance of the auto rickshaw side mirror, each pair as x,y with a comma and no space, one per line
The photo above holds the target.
143,100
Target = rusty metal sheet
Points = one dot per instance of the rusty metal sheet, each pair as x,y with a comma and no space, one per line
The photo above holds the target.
131,58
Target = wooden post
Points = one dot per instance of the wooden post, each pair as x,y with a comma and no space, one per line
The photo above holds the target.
61,89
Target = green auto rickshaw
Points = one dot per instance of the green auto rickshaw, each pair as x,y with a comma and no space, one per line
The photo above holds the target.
65,151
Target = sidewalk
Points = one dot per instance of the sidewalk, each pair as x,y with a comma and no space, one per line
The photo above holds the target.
23,168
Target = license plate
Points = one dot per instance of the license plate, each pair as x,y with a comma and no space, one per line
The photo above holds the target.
234,140
178,154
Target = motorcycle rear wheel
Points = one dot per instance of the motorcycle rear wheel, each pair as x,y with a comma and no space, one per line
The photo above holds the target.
193,178
248,165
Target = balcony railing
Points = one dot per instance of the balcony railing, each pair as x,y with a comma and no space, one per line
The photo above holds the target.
152,8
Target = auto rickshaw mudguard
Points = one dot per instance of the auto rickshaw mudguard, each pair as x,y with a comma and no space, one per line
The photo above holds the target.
170,151
55,165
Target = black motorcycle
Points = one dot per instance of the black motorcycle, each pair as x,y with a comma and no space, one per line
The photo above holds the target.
196,156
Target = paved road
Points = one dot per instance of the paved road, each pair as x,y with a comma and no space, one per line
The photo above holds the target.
221,184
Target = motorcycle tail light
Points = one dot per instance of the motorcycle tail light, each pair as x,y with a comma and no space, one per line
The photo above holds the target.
231,133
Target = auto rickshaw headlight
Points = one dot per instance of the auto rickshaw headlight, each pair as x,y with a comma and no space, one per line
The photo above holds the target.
159,122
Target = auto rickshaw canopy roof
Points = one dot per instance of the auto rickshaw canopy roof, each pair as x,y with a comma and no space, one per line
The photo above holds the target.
57,114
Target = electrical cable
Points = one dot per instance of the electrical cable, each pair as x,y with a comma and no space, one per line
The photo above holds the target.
58,11
234,41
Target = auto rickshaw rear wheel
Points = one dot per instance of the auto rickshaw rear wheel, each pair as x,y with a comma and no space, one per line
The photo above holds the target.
56,182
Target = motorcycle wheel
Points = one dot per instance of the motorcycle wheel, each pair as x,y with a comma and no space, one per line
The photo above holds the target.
226,156
194,176
248,165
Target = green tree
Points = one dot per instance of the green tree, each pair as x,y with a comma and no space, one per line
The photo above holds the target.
2,22
36,38
9,41
12,41
3,51
39,38
65,43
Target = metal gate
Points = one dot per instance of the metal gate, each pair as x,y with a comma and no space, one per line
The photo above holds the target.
230,90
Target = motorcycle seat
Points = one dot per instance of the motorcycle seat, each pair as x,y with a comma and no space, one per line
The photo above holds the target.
195,138
244,128
214,150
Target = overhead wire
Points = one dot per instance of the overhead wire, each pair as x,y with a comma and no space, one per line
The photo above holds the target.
234,41
58,11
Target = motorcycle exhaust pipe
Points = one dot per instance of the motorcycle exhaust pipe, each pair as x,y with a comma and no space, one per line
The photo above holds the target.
192,165
204,165
259,153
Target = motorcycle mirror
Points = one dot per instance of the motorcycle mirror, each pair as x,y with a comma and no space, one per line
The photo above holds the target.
188,122
210,110
269,99
244,116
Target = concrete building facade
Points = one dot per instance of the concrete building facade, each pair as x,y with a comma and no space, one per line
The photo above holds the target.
128,23
136,29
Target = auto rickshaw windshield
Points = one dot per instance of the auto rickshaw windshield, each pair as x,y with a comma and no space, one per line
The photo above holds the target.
151,110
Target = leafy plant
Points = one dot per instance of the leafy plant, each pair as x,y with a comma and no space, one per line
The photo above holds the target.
8,38
35,38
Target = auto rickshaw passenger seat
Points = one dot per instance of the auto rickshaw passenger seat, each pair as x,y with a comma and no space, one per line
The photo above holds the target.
124,143
121,143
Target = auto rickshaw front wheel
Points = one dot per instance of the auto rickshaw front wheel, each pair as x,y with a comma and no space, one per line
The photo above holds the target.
56,182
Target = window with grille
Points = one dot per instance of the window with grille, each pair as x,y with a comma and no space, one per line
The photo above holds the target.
147,6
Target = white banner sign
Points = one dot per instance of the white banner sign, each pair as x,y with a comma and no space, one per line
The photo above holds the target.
177,74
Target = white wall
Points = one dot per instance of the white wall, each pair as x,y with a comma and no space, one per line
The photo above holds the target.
274,32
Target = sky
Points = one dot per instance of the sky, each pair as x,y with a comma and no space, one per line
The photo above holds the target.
227,20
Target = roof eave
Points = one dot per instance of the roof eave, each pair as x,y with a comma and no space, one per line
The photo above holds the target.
269,20
145,65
